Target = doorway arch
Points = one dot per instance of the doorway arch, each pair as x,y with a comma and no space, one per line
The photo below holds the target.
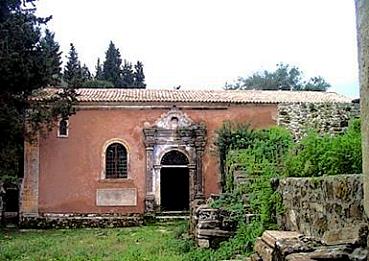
173,131
174,182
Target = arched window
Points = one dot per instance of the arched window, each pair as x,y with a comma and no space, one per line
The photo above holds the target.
63,128
116,161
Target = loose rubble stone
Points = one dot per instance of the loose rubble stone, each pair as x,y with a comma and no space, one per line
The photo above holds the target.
355,234
286,245
359,254
80,220
211,226
203,243
330,253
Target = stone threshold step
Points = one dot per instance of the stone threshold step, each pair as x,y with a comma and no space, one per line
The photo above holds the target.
172,217
173,213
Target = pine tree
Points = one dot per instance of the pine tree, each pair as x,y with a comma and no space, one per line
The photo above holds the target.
99,70
86,75
128,79
112,64
139,76
73,70
51,58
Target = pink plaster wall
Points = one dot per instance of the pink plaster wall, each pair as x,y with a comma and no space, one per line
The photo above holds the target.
70,168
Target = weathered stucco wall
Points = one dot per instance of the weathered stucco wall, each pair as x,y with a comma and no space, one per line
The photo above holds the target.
325,117
320,206
70,168
362,22
30,184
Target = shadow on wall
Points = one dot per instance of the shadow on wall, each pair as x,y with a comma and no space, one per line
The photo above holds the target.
9,204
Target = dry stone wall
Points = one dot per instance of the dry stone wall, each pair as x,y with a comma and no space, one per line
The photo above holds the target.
325,117
324,218
327,207
80,220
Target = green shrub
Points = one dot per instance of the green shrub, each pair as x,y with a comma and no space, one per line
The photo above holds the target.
317,155
263,148
260,154
232,136
267,154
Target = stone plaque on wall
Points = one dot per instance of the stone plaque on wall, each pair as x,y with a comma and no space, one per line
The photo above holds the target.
116,197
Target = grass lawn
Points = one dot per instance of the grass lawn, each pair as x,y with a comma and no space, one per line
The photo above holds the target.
154,242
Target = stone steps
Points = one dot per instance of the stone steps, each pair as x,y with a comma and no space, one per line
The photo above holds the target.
10,219
174,213
170,216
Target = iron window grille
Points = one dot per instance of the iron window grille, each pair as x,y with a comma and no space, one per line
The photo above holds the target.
116,161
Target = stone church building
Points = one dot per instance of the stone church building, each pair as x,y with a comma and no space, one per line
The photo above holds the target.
132,151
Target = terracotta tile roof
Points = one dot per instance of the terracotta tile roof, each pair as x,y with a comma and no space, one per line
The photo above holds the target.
206,96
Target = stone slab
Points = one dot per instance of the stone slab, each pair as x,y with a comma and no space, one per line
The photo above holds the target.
116,197
213,233
272,236
264,250
299,256
323,253
350,234
208,224
330,253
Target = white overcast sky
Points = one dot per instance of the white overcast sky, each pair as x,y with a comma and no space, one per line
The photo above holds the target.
205,43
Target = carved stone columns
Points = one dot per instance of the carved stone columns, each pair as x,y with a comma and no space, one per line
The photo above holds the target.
173,131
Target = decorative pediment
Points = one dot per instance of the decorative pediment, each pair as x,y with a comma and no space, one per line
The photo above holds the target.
173,119
173,134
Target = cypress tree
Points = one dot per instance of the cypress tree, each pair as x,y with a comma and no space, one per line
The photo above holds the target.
86,75
127,75
73,70
51,58
112,64
139,76
99,70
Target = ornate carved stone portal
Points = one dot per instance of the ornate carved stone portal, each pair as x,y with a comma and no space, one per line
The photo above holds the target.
173,131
